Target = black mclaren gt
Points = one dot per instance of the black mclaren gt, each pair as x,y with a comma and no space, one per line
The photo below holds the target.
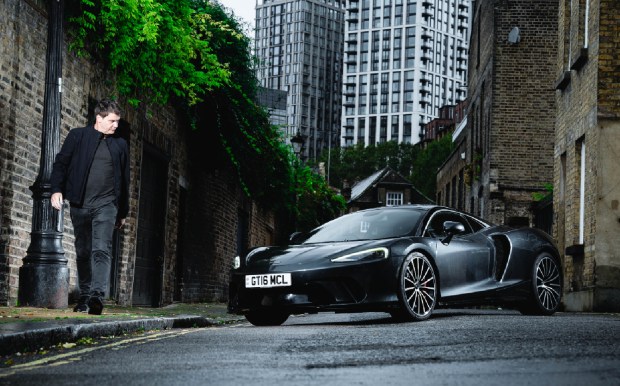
404,260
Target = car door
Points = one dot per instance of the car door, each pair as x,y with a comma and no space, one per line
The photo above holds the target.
464,261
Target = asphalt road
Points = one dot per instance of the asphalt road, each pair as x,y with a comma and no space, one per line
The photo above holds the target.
454,347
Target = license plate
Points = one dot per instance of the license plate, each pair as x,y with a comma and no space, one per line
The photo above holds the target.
268,280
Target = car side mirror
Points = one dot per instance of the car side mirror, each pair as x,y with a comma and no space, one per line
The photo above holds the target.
452,228
295,238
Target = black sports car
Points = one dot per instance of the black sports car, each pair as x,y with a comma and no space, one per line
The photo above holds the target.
404,260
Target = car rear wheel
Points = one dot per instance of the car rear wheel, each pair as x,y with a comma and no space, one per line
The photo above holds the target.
417,289
263,318
546,287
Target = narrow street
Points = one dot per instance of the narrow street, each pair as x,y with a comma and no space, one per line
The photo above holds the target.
464,347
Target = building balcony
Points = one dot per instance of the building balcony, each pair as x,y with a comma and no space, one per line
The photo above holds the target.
352,16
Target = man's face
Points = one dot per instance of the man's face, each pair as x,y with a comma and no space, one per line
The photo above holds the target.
107,125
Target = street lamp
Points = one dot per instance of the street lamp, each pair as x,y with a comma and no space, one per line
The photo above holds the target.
298,143
44,275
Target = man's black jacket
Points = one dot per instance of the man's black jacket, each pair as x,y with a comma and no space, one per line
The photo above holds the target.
72,165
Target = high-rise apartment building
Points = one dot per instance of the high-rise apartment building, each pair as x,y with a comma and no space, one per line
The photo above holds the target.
403,60
299,47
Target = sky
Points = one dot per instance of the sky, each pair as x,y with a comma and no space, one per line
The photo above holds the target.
245,9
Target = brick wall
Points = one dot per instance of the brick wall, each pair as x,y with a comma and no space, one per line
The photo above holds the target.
588,100
212,201
511,109
23,39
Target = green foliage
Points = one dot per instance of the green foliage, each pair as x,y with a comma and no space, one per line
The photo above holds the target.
425,167
411,161
193,53
154,48
357,162
547,193
315,201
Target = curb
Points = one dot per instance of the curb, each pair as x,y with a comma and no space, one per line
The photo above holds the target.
35,338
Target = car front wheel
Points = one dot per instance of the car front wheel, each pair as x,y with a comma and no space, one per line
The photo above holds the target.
264,318
546,287
417,289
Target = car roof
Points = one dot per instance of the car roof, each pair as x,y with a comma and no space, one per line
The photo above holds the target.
425,207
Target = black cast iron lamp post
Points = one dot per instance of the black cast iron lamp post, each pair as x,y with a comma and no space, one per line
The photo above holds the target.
44,275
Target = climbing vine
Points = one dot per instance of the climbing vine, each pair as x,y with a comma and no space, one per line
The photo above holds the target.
194,53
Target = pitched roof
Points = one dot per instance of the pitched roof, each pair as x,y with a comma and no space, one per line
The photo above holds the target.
360,187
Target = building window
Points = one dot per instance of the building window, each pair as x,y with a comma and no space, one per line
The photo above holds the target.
393,198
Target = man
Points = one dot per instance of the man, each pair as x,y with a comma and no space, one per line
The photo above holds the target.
91,171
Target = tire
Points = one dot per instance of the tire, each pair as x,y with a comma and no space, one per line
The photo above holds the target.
417,289
546,287
266,318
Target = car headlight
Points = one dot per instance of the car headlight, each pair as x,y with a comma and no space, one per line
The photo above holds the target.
236,262
368,254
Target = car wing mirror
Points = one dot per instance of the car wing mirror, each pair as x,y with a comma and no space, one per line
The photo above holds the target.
452,228
295,238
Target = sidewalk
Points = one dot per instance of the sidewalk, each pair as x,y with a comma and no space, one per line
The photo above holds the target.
26,329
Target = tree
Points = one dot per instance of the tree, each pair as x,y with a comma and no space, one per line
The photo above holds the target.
411,161
426,165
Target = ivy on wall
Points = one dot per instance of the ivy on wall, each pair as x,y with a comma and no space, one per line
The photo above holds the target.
193,53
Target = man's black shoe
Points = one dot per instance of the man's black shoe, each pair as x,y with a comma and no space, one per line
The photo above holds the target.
82,305
95,305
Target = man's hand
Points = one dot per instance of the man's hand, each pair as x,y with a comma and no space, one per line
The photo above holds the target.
119,223
57,201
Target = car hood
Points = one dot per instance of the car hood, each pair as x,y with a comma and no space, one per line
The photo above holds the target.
303,256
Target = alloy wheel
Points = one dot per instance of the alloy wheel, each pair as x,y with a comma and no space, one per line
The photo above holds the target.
548,283
419,286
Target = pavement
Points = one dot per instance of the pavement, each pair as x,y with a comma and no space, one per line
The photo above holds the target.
28,329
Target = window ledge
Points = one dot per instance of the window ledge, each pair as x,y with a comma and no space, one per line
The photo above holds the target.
580,60
563,82
575,250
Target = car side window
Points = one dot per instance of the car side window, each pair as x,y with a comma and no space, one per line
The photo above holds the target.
435,225
475,224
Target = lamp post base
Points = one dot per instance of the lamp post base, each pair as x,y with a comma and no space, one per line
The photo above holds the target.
45,285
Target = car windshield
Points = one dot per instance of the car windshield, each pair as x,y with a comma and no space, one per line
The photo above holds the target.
367,225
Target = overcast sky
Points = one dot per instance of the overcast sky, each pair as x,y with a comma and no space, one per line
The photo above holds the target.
245,9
